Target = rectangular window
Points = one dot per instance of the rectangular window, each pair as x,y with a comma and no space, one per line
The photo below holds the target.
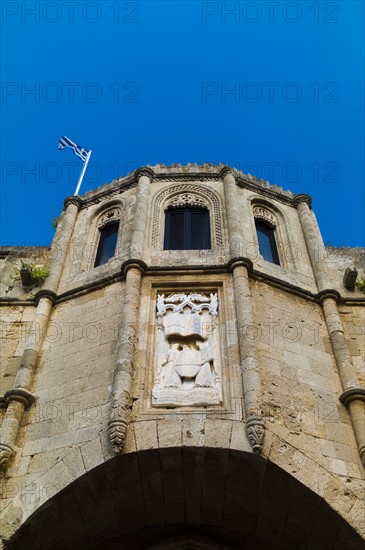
107,244
187,229
267,244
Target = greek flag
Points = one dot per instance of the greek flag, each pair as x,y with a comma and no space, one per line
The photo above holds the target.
79,151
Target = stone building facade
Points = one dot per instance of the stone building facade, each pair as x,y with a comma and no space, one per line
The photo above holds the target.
190,374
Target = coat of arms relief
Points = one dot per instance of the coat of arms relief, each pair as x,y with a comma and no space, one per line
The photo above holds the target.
187,359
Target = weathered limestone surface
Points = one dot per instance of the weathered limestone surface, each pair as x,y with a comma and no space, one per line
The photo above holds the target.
95,341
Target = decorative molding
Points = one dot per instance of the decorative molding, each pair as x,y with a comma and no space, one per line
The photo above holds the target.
129,183
187,300
186,199
110,216
354,394
328,293
265,192
208,199
133,262
44,293
22,396
255,429
240,260
264,214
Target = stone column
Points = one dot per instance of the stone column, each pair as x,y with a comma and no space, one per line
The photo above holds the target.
61,243
121,397
20,396
353,396
144,177
313,239
240,267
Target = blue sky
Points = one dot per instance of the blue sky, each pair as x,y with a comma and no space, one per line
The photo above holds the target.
273,88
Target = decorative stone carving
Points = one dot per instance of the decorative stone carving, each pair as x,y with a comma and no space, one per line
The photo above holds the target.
186,199
188,370
255,428
6,453
110,216
117,430
206,198
264,214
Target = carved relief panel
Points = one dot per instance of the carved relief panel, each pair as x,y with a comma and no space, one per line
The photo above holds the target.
187,358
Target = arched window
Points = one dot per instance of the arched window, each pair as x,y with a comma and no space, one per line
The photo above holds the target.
266,222
187,228
107,244
108,227
267,243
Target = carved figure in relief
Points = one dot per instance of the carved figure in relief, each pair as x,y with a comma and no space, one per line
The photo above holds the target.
186,372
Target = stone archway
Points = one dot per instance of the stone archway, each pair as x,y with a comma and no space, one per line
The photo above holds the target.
186,498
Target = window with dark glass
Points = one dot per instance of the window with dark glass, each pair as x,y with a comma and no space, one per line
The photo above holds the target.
267,244
187,228
107,244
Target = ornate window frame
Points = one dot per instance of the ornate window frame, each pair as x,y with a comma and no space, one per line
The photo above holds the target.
107,214
190,195
269,215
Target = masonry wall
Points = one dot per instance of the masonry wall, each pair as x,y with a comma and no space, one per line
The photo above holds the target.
64,434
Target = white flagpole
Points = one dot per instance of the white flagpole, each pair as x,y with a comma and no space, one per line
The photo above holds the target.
82,173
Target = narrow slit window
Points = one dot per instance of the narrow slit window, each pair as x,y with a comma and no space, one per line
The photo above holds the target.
187,229
267,243
107,244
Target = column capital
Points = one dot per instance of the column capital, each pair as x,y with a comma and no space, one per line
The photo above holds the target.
354,394
133,263
77,201
19,394
144,171
240,260
302,197
329,293
44,293
225,171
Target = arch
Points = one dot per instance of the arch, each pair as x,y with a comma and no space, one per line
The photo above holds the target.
161,498
186,194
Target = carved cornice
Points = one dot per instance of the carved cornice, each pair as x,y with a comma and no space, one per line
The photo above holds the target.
144,171
240,260
255,429
354,394
135,263
19,394
77,201
302,197
328,293
266,192
128,183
